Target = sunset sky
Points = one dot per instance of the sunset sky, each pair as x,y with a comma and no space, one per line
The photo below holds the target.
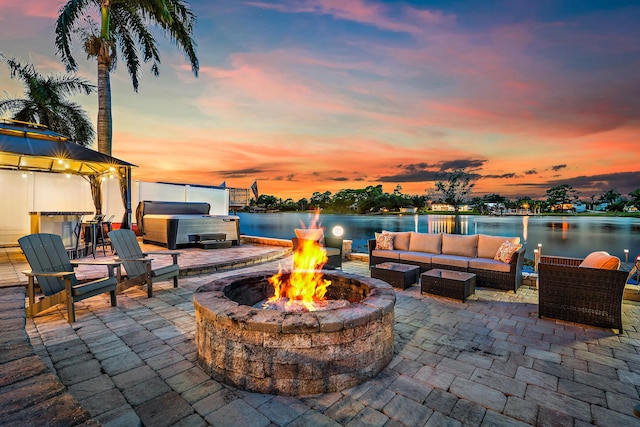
316,95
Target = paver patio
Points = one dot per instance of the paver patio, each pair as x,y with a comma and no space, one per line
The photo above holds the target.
489,361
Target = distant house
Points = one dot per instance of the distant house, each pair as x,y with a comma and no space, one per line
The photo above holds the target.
442,207
445,207
579,207
408,209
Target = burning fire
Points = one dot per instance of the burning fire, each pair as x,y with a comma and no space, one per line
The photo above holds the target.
306,286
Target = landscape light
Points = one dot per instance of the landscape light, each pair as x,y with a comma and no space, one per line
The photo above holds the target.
626,255
337,231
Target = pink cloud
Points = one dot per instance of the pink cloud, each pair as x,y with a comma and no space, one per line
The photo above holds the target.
33,8
376,14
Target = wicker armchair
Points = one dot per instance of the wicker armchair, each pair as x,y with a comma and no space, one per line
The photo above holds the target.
591,296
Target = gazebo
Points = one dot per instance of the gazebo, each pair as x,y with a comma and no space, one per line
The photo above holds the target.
33,147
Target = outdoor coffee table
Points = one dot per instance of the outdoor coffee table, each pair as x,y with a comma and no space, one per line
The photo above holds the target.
397,275
446,283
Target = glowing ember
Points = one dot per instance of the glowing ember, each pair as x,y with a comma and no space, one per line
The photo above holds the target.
306,286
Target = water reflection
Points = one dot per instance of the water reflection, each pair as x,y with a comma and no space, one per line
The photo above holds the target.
568,236
448,224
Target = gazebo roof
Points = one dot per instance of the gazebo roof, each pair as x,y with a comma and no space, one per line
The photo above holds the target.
32,147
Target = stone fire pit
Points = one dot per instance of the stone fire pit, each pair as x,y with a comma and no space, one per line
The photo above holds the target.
294,353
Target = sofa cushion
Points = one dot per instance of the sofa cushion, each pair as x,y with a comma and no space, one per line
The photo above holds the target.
488,245
489,264
425,242
506,251
400,239
601,259
384,241
455,244
421,257
390,254
452,260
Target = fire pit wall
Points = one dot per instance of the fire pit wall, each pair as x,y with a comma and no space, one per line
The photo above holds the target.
276,352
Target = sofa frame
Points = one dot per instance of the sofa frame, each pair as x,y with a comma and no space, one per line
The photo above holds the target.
503,280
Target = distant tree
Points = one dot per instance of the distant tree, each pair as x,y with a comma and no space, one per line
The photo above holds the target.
303,204
343,200
525,203
610,196
320,200
561,195
45,102
288,205
635,198
368,199
455,188
268,201
494,198
618,205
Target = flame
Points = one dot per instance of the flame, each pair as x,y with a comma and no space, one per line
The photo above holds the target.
306,285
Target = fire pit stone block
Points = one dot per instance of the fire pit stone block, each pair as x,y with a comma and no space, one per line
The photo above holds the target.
294,353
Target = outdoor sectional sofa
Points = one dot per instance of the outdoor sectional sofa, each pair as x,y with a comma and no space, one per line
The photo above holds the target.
471,253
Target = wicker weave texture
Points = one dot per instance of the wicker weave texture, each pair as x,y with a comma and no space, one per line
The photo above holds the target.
398,278
453,286
590,296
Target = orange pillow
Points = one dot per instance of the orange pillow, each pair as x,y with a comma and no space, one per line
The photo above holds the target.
384,241
601,259
506,251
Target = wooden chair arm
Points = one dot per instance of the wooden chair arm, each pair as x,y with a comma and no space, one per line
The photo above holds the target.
113,262
174,254
162,253
47,273
143,260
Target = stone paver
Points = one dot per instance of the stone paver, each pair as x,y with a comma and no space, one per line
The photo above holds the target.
489,361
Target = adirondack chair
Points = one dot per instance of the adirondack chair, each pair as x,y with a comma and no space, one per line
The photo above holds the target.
54,271
138,266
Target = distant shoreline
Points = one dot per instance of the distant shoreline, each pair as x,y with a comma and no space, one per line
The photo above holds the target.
558,214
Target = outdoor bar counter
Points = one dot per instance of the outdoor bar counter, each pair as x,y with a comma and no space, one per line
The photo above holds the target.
60,223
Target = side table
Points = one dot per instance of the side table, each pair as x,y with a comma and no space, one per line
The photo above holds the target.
447,283
397,275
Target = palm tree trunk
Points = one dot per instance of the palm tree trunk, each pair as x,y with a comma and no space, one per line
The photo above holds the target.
104,108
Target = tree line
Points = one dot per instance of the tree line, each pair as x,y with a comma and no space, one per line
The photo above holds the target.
452,190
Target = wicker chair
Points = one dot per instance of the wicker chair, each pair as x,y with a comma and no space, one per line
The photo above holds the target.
590,296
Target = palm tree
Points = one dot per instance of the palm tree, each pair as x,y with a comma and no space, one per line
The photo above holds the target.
123,26
45,102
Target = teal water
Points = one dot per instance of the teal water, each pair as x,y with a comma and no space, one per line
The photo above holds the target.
567,236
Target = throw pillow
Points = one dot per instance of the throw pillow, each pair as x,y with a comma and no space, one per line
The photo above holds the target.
384,241
601,259
506,251
400,239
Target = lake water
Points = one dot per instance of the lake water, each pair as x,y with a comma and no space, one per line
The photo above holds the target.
567,236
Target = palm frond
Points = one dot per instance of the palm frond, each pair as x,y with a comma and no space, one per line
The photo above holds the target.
65,24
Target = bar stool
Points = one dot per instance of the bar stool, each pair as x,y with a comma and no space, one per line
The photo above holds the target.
105,228
89,230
